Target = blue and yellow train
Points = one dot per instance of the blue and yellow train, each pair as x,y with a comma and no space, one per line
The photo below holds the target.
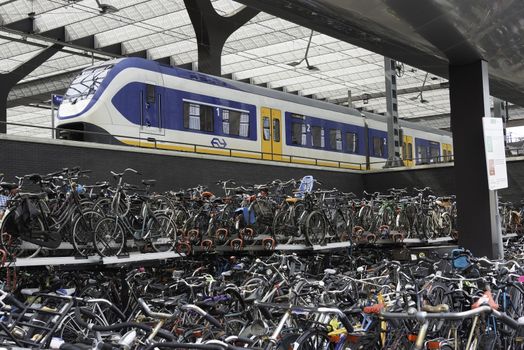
144,103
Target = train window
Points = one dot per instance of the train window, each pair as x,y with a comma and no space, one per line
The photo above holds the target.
335,139
150,93
87,83
198,117
422,155
351,142
317,137
267,131
276,130
235,123
434,153
298,134
378,146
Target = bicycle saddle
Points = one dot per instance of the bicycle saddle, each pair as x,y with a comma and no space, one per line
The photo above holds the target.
8,186
40,195
436,309
150,182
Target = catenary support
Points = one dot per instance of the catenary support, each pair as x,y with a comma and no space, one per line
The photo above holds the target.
9,80
477,205
212,31
394,140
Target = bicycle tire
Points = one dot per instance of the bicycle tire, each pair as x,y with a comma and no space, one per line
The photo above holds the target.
365,217
279,231
316,226
83,232
13,245
339,223
446,225
403,225
109,238
162,233
313,339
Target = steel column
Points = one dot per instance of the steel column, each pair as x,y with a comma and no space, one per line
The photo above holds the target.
477,205
212,31
394,142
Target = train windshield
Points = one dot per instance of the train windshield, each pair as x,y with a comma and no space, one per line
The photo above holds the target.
87,83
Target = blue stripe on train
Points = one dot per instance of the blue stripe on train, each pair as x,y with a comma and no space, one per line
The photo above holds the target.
128,102
327,125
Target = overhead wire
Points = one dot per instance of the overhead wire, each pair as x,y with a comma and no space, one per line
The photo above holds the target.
248,56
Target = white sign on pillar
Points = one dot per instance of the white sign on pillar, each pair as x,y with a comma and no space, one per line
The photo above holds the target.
495,153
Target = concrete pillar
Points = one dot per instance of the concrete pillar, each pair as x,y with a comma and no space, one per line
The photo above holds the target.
9,80
212,31
394,141
478,228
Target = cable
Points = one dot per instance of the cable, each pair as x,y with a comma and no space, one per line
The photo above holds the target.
249,56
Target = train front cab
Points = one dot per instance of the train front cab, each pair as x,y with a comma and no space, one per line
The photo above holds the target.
271,129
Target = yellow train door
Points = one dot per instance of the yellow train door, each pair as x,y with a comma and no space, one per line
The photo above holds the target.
447,151
271,129
407,150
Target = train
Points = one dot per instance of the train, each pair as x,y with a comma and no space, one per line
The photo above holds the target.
139,102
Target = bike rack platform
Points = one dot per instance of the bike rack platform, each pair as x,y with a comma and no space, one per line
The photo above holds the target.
94,260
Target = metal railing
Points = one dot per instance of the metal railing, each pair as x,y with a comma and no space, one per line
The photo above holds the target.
151,142
421,160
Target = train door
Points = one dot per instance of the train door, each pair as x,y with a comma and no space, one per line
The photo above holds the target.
407,150
271,128
447,151
151,116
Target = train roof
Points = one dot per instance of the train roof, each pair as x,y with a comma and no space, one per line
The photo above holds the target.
258,90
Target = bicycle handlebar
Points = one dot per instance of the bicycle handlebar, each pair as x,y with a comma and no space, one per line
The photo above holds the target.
422,316
323,310
159,315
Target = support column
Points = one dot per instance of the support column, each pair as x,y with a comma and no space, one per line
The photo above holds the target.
394,142
212,31
476,204
9,80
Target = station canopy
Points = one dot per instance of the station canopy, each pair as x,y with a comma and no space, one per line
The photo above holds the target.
265,52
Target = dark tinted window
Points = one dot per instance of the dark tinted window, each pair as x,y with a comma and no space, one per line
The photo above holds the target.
235,123
198,117
335,139
317,136
298,133
351,142
276,130
378,146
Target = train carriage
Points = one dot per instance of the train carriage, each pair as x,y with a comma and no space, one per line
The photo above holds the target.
143,103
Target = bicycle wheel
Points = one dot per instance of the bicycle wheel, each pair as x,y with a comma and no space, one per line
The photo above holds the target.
14,245
161,233
280,224
109,238
298,217
83,232
313,339
365,217
402,224
340,225
316,227
263,216
71,332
